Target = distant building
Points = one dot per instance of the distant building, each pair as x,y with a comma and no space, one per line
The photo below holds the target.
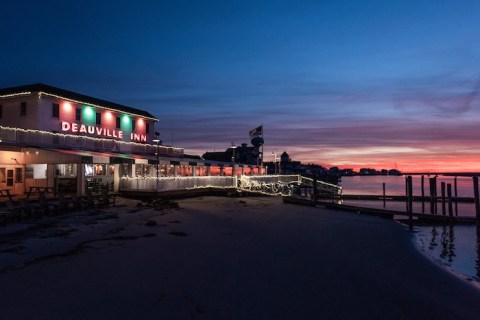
242,154
368,172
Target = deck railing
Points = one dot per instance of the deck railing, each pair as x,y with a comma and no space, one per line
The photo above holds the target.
267,184
176,183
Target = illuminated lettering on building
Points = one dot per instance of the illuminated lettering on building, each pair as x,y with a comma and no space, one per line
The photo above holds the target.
99,131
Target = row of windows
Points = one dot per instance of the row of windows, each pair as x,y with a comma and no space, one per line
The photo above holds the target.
23,109
78,115
98,117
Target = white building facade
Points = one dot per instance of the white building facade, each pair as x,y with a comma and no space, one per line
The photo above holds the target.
50,137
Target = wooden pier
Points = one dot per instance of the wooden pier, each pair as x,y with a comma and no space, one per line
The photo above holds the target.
441,207
403,216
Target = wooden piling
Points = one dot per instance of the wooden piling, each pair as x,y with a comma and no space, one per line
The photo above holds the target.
432,197
456,195
423,193
409,201
443,197
406,194
435,202
410,192
477,200
384,195
314,197
450,204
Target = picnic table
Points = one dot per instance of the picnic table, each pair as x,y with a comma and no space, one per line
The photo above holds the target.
6,193
38,190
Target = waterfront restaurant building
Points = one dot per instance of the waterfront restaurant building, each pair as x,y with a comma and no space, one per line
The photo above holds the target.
50,137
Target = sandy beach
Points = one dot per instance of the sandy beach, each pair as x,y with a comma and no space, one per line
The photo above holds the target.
223,258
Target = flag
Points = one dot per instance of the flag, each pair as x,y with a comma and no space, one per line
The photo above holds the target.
258,131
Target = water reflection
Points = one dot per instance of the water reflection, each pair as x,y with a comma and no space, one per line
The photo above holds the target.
477,260
448,243
433,241
457,247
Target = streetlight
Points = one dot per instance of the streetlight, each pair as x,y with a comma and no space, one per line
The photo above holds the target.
233,158
274,153
157,154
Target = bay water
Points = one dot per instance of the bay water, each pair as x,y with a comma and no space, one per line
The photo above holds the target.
455,247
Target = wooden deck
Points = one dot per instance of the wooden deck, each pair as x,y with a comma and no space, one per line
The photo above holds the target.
418,218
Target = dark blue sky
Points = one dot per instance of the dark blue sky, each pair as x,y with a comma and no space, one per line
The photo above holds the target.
348,83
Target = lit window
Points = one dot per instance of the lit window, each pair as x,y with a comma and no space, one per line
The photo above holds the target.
89,170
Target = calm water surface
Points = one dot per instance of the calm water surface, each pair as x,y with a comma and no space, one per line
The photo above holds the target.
454,247
395,186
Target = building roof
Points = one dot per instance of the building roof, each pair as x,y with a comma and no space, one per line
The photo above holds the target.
77,97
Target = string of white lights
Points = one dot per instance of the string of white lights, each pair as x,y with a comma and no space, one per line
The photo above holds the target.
93,105
243,183
12,95
86,137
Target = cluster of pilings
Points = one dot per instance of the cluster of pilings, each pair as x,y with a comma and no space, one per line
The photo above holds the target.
447,200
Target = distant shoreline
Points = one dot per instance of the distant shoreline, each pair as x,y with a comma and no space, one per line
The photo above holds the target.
454,174
460,174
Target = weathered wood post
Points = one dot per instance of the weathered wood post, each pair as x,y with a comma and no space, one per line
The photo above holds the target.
423,194
432,209
477,200
409,201
406,194
384,194
435,202
443,197
410,193
456,195
450,204
314,197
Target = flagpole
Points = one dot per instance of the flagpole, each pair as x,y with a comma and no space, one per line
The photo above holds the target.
261,161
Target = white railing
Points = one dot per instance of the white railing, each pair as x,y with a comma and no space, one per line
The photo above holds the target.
265,184
176,183
269,185
322,186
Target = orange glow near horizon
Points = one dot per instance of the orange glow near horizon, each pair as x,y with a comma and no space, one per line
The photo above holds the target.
415,163
434,158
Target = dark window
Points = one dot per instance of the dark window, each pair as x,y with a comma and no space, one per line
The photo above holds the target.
78,114
98,118
1,111
23,109
133,126
55,110
118,122
147,128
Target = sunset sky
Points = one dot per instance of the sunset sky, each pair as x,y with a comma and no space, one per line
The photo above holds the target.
346,83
